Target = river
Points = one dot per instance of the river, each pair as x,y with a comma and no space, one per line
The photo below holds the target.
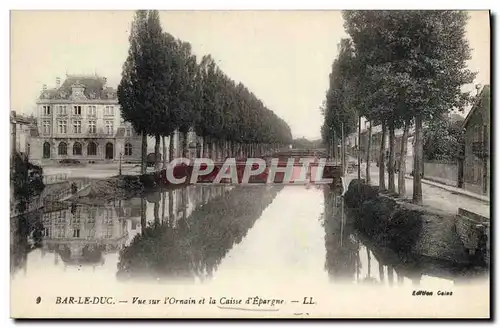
278,237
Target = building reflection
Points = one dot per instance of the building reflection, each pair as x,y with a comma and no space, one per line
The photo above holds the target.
82,235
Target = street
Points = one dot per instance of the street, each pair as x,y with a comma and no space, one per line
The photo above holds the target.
432,196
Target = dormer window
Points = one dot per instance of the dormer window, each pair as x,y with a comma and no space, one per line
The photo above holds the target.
77,91
77,110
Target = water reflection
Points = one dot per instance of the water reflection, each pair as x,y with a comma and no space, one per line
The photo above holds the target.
211,221
215,233
352,257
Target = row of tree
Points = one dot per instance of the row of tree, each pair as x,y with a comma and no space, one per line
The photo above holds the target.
398,69
165,89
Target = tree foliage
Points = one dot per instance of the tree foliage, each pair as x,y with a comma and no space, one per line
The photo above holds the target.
444,139
415,60
164,88
341,96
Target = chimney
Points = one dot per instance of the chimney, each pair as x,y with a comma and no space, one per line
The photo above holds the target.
44,87
104,80
58,82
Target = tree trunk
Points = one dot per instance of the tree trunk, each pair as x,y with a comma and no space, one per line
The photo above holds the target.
359,146
391,161
460,180
164,152
170,208
143,216
224,149
334,147
402,161
368,148
144,153
171,147
418,160
156,211
381,165
343,157
163,202
185,144
157,152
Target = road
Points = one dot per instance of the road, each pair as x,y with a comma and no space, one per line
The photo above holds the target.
435,197
91,170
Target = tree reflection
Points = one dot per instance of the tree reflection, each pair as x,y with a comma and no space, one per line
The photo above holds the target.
341,248
343,260
197,243
26,228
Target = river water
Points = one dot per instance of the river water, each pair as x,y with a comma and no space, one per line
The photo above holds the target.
278,237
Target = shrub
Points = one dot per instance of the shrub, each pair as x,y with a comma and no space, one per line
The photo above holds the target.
404,229
374,217
359,192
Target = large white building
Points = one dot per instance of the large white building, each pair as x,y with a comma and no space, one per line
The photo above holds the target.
81,119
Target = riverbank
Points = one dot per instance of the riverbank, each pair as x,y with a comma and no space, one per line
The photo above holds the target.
410,229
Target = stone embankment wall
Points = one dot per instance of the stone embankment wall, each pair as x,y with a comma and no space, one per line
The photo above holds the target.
410,229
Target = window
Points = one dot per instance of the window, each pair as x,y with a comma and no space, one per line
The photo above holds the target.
63,148
128,132
77,148
91,149
76,233
28,147
46,150
46,127
46,110
77,110
128,149
92,110
61,110
109,127
92,127
63,126
109,232
77,126
109,111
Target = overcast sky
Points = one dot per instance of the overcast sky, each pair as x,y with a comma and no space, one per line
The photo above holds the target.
284,57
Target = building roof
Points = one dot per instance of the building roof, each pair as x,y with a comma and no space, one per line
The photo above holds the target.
22,119
94,87
484,94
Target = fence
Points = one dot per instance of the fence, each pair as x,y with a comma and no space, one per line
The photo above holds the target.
55,178
40,202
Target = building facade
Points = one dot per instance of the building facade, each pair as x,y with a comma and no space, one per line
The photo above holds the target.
477,144
21,128
81,119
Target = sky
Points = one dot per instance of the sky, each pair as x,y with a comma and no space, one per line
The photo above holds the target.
283,57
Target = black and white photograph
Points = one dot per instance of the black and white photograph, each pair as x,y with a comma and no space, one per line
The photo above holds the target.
285,164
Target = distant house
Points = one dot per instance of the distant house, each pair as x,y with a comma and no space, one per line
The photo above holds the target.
21,128
477,144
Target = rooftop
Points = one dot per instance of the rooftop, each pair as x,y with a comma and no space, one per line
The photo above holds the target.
94,87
